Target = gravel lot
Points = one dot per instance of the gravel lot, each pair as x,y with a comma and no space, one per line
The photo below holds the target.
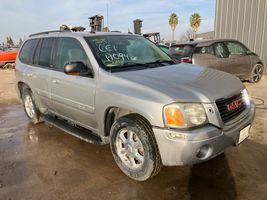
43,162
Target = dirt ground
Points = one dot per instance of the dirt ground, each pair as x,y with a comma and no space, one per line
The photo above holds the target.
43,162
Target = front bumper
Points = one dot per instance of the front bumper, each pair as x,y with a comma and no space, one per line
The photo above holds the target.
195,146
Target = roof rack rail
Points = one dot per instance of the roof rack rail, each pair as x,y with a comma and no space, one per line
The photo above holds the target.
47,32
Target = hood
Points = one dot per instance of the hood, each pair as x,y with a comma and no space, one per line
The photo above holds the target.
186,82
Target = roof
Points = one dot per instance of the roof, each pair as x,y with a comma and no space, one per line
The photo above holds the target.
202,43
70,33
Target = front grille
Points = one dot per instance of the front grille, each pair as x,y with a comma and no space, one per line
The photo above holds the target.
229,115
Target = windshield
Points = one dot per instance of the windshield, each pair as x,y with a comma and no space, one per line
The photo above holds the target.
126,52
178,52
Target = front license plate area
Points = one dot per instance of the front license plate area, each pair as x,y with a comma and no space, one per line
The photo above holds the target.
244,133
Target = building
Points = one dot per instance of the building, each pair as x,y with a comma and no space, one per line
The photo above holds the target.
206,35
244,20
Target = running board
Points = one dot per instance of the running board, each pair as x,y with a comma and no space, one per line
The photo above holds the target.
79,132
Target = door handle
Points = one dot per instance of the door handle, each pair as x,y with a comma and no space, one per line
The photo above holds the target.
55,81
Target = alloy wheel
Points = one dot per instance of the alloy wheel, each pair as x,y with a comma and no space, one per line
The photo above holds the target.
257,73
129,148
29,107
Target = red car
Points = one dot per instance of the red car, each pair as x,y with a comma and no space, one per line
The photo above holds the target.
8,58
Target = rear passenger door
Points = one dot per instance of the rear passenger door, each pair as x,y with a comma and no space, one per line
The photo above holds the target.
72,96
222,53
204,56
38,72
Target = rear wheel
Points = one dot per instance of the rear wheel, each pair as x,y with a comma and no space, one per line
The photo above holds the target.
134,148
256,73
30,108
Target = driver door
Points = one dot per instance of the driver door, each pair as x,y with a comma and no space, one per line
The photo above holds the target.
72,96
239,57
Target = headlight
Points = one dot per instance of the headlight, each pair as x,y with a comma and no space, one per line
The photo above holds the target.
246,97
184,115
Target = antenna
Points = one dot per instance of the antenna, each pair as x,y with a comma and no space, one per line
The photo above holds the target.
107,14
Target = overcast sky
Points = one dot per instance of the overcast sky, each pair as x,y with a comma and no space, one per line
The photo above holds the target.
20,18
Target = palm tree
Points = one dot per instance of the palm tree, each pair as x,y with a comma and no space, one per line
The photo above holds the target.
195,21
173,22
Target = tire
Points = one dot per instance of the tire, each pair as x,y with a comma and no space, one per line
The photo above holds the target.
134,148
29,105
8,66
256,73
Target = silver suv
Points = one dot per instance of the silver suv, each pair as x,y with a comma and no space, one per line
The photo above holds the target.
123,90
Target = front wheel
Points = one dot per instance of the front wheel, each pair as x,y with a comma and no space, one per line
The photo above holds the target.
134,148
256,73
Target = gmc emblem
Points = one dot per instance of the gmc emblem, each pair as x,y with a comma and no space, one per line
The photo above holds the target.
234,105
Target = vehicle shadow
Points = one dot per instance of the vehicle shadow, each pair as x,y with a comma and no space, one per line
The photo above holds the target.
83,169
212,180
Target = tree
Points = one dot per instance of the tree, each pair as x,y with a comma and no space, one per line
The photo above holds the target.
9,41
173,22
195,21
186,36
20,41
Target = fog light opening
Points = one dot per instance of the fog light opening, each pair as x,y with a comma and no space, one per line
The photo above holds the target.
204,152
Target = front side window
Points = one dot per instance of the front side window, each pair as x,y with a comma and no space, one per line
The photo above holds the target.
46,52
27,51
126,52
69,50
220,50
236,48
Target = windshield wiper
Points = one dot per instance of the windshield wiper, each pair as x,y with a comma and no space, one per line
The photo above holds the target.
133,64
136,66
162,61
129,66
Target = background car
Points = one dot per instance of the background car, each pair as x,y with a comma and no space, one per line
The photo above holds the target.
7,59
227,55
163,47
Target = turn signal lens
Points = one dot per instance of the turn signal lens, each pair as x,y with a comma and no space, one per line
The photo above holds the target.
174,117
184,115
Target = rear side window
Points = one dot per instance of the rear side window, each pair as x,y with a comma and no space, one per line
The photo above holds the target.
221,50
204,50
46,52
37,53
27,51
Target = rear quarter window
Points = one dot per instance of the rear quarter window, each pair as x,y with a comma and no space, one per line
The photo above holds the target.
27,51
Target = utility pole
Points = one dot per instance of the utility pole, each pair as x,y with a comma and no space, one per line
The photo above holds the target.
137,26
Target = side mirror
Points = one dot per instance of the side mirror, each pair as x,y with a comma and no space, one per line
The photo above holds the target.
77,69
